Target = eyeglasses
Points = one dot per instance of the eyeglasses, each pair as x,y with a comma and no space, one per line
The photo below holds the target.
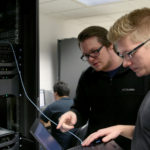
129,55
93,54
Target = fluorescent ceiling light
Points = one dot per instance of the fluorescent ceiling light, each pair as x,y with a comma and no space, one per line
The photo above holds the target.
96,2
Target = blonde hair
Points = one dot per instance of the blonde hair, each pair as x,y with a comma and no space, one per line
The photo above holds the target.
136,24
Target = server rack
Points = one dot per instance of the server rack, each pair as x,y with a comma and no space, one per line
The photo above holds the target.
18,32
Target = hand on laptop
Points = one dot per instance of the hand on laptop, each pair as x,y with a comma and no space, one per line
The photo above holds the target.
67,121
110,133
106,135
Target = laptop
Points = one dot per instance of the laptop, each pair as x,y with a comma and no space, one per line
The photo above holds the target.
48,142
41,134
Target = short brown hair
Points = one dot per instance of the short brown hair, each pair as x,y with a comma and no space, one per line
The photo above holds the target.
94,31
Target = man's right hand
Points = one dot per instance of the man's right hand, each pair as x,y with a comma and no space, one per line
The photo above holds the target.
67,121
110,133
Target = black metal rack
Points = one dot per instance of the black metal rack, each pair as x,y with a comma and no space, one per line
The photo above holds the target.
18,26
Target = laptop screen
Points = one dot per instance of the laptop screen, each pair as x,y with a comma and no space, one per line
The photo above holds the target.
41,134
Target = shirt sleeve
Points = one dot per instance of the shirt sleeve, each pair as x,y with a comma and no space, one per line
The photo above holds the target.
81,102
47,112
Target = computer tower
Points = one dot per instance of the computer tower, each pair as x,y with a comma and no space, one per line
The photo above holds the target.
18,38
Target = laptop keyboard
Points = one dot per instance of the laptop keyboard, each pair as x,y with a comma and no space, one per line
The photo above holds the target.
112,145
79,147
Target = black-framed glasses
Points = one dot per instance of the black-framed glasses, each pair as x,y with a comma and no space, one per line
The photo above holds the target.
129,55
93,54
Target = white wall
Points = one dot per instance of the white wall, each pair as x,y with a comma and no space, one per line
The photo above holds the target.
52,29
49,32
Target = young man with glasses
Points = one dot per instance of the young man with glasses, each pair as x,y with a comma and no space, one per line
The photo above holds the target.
107,94
131,34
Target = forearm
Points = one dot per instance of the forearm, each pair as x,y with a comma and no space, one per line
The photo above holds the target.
82,114
127,130
46,124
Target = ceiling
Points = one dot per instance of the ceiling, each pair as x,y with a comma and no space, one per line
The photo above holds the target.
100,14
72,9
